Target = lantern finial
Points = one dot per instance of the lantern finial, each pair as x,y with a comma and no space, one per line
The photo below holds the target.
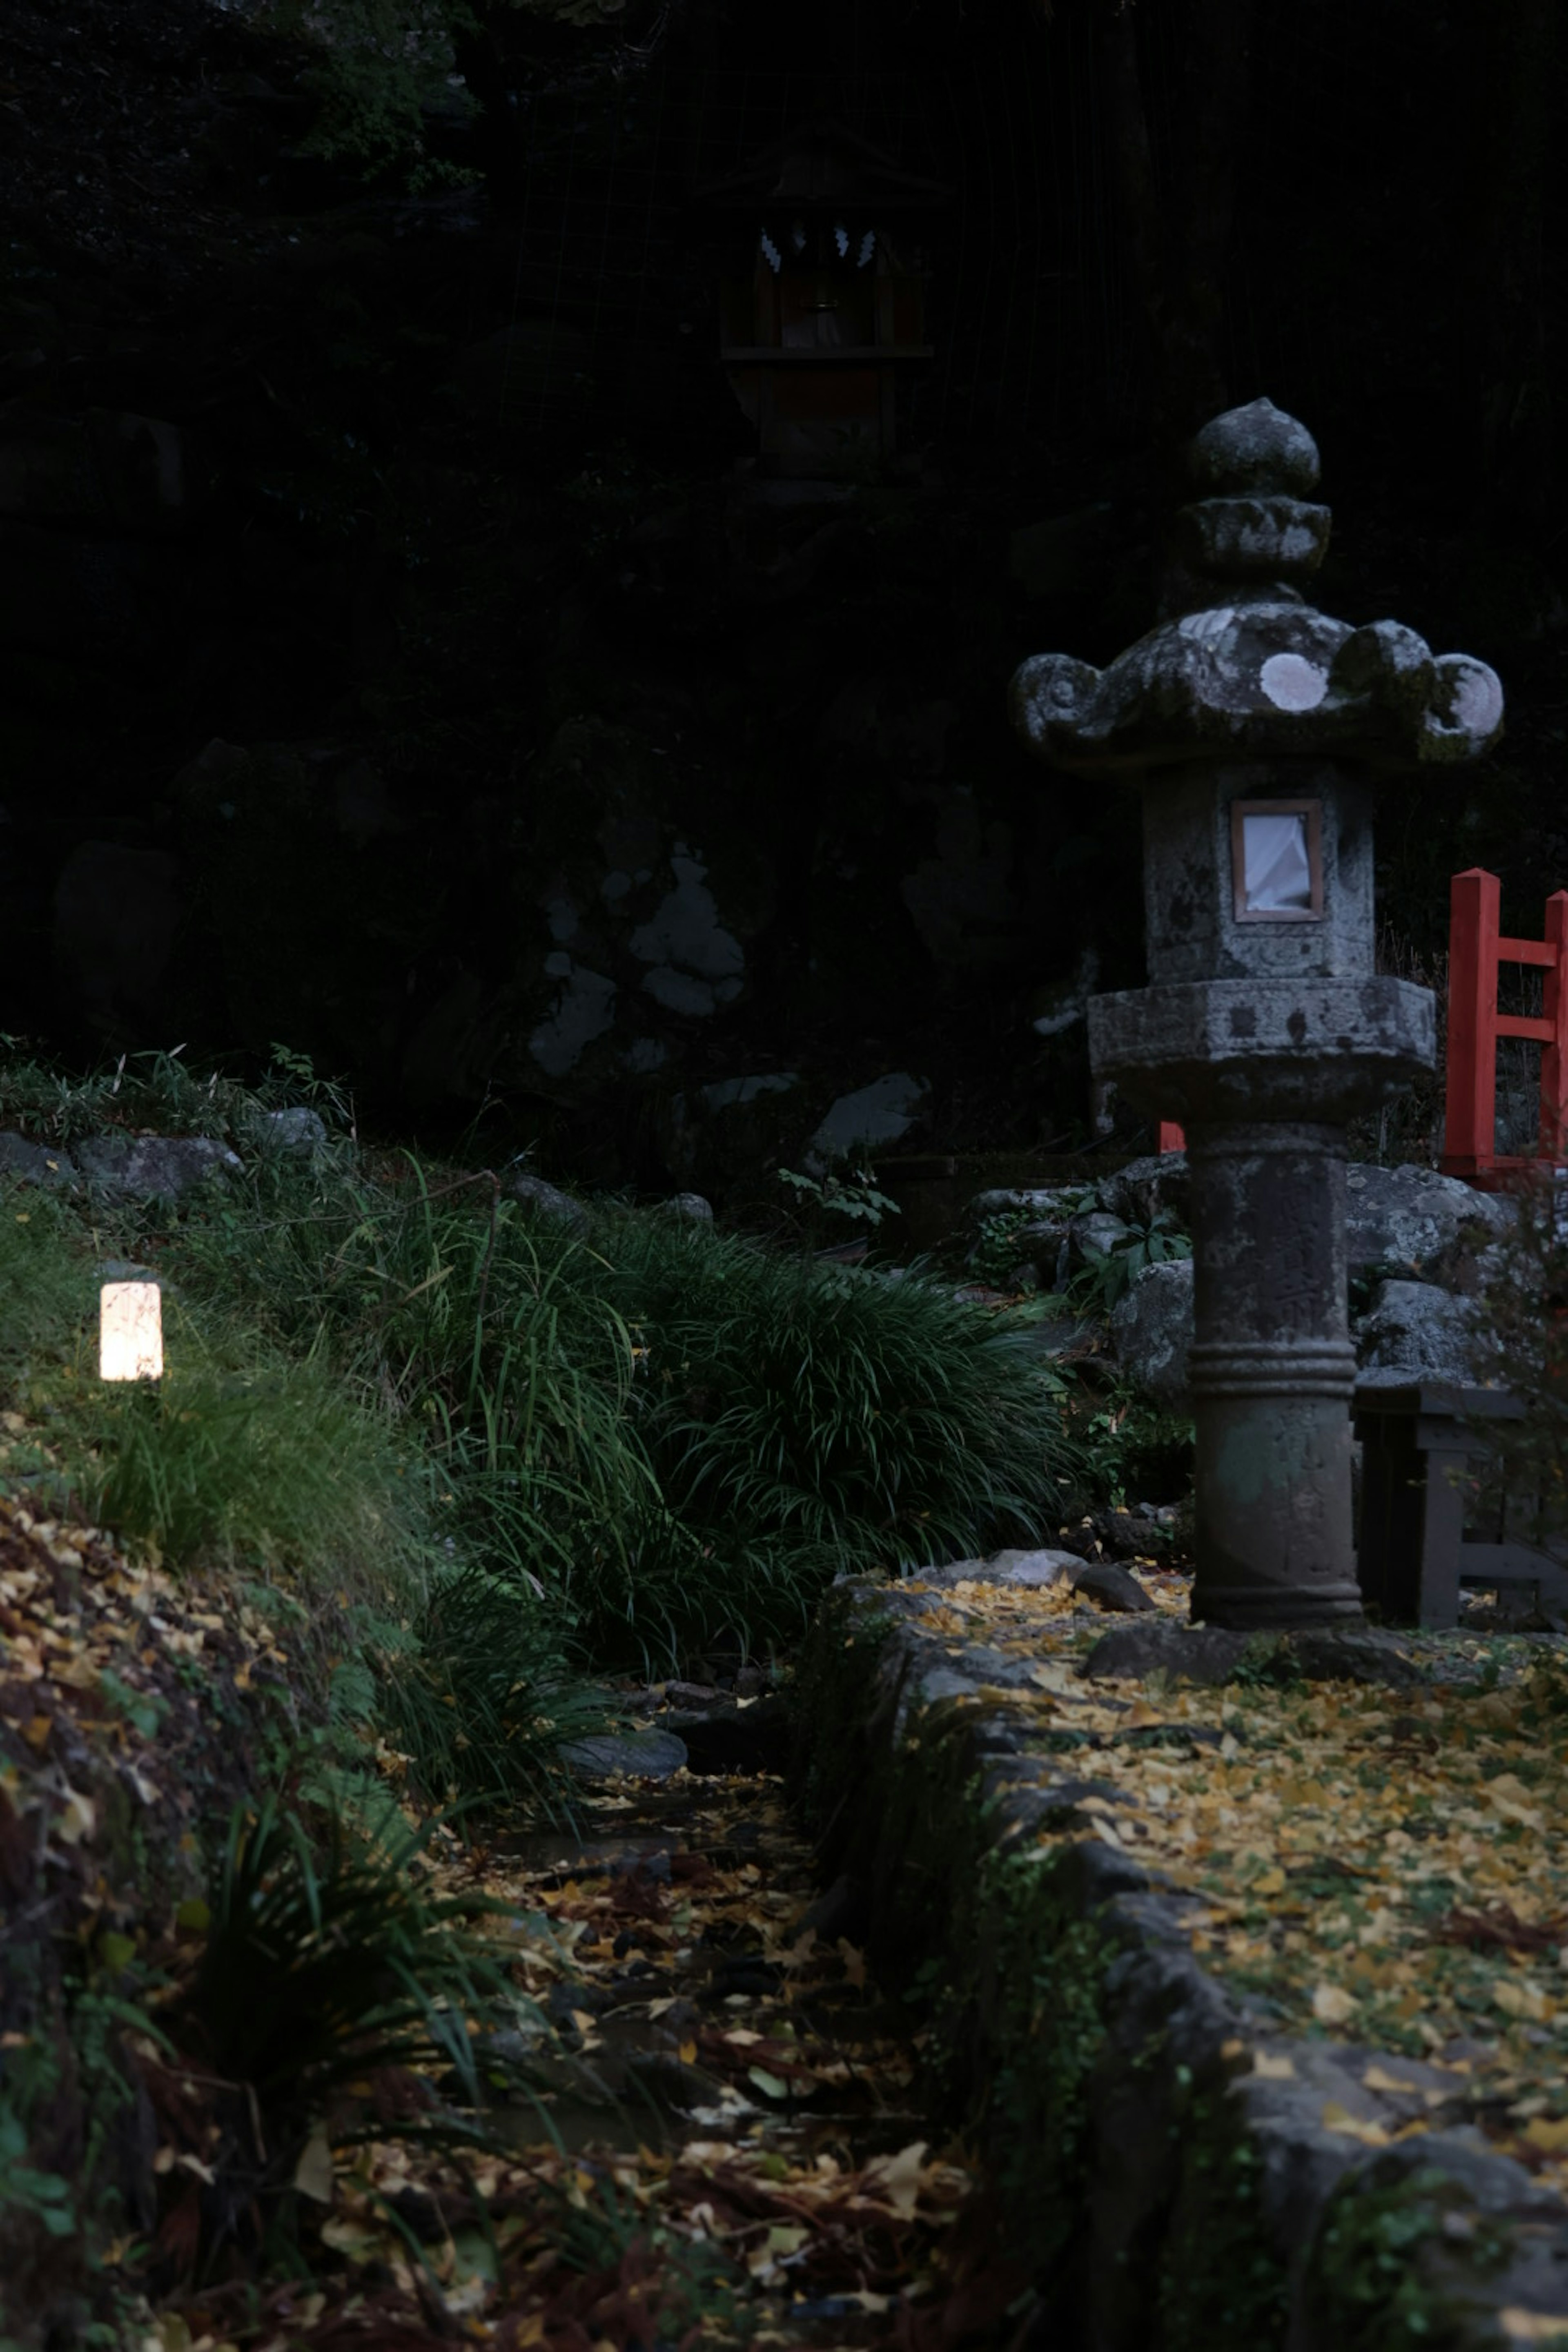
1257,447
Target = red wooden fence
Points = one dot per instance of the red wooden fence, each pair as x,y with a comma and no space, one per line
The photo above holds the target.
1476,948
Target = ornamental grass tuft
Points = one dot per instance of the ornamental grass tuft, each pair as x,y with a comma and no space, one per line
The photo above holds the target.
479,1699
806,1421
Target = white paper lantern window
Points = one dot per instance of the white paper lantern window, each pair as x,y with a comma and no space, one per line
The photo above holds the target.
1277,855
130,1331
1277,879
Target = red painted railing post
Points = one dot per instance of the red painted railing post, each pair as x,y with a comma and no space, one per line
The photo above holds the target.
1554,1058
1469,1139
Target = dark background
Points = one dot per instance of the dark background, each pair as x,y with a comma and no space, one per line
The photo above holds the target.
373,568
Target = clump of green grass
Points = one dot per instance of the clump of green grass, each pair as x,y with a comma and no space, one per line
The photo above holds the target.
806,1422
42,1280
335,1989
160,1091
261,1461
484,1332
326,1958
479,1700
244,1455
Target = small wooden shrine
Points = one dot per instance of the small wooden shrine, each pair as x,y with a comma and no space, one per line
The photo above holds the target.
822,297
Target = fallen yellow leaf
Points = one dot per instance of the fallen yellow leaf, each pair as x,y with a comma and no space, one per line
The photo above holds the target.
1378,2078
76,1820
897,2178
313,2173
1522,2327
1337,2118
1520,1997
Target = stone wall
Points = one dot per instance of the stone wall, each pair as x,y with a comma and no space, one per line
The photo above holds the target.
1160,2148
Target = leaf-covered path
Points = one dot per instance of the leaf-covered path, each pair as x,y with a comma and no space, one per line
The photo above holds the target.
723,2141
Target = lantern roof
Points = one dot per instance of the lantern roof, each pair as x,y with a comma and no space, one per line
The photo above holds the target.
1249,670
821,166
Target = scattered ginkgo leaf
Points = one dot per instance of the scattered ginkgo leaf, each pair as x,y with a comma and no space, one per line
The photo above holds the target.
313,2172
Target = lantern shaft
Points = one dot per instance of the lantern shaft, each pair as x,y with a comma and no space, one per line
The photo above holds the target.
1272,1373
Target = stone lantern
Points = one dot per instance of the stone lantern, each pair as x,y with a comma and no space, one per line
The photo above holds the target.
1255,729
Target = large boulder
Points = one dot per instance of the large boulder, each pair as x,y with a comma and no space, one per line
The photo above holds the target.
152,1167
1211,1655
1144,1188
544,1200
37,1163
296,1132
868,1119
1152,1332
1413,1218
1094,1235
1396,1218
1414,1330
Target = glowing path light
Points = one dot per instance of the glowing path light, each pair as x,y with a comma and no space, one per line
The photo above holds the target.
130,1331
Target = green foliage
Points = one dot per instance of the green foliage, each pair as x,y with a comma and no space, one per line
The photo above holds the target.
144,1710
24,2189
1052,2031
157,1090
850,1195
1221,2282
482,1331
377,67
269,1464
1131,1447
322,1965
1269,1662
995,1250
42,1280
1106,1275
693,2291
241,1454
380,69
1368,2282
479,1699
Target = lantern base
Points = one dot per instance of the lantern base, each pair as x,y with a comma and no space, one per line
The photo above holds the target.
1251,1609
